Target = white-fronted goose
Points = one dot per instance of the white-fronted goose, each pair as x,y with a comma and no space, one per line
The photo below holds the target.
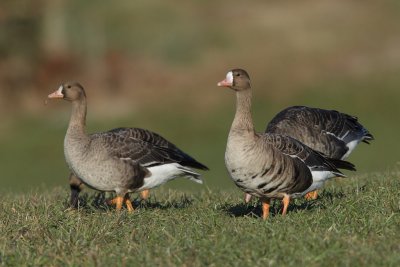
122,160
329,132
269,165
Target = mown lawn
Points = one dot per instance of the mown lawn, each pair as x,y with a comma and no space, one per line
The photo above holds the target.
355,222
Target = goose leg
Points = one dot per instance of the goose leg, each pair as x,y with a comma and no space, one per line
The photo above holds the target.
265,208
315,194
118,201
285,201
145,194
128,203
112,201
75,185
311,195
247,198
73,201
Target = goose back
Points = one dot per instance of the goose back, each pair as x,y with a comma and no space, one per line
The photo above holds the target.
144,147
330,132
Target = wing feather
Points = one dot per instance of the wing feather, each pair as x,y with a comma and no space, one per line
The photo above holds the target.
314,160
145,147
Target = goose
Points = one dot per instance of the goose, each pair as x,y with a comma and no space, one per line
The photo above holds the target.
122,160
330,132
269,165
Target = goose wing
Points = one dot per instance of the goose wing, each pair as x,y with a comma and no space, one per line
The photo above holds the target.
314,160
145,147
327,131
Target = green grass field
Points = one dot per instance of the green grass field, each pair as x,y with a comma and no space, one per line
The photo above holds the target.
355,222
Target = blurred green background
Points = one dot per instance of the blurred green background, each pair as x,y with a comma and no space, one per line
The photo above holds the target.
155,65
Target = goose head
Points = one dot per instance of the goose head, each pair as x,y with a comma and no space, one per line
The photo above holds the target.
70,91
236,79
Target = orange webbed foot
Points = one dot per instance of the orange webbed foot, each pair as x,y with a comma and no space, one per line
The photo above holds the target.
311,195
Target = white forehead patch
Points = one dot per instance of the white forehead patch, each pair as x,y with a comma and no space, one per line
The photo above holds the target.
229,77
60,89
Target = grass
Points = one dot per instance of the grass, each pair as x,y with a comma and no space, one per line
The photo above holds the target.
355,222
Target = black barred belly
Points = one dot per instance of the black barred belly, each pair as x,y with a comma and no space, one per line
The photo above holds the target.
274,181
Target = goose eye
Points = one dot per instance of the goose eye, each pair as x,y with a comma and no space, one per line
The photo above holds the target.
237,74
69,86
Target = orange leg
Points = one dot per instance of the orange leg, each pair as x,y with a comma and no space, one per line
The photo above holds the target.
145,194
119,200
129,205
247,198
311,195
265,208
285,202
112,201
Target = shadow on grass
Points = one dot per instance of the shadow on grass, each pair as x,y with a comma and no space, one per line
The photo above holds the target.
98,202
88,203
242,209
152,203
254,210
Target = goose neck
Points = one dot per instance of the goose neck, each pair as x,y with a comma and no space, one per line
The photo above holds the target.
77,123
243,118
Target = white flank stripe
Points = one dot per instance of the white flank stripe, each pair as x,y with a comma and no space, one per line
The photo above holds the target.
320,176
351,145
163,173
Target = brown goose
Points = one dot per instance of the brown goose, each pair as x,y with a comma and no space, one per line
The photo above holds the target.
122,160
329,132
269,165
